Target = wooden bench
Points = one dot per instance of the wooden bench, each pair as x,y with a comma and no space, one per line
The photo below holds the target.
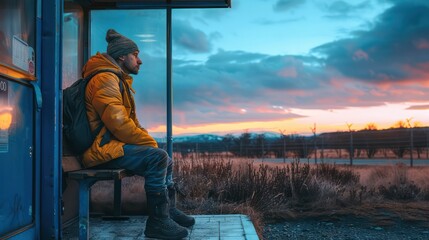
88,177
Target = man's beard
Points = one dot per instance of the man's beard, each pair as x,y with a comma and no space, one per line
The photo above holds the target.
132,70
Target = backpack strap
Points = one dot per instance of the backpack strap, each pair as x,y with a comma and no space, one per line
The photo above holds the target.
107,136
101,71
90,76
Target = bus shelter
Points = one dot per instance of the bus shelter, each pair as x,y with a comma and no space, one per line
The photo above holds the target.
43,46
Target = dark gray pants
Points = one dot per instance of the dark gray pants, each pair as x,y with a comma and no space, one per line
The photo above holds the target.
153,164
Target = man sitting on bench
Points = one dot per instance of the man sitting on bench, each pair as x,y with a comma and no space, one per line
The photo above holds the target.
123,143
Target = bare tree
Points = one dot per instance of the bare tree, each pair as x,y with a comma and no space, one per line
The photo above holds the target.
411,140
370,147
283,136
370,126
313,129
351,151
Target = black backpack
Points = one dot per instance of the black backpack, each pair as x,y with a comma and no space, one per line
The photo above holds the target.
76,129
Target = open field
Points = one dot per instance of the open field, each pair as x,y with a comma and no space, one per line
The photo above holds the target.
274,192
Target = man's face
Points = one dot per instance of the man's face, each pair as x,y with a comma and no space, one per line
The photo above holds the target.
131,63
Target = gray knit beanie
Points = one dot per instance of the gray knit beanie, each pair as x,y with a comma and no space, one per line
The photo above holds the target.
119,45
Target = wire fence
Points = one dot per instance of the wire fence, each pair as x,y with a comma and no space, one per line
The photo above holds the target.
404,143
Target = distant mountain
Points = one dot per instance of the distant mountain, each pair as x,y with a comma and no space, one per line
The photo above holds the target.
267,134
192,138
213,137
255,134
198,138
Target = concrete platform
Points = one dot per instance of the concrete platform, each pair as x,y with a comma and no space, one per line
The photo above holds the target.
207,227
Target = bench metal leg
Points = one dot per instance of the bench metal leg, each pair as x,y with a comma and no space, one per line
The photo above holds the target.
117,198
84,188
117,204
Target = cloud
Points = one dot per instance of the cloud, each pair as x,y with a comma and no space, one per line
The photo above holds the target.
419,107
229,82
266,21
286,5
341,9
203,15
394,50
234,80
405,1
190,38
371,68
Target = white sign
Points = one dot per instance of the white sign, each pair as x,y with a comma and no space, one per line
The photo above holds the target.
20,53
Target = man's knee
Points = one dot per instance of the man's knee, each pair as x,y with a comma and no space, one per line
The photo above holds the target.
161,158
160,152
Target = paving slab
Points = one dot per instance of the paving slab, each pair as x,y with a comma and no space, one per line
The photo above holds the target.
207,227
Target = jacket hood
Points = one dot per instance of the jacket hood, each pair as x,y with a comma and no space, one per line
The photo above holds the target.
101,61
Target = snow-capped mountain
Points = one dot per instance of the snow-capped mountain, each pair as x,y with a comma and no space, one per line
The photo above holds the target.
211,137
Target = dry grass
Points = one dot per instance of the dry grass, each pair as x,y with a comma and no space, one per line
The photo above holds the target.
282,191
279,191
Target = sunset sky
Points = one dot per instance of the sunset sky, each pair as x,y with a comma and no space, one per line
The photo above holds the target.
285,65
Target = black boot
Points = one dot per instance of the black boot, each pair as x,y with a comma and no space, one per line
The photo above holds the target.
178,216
159,224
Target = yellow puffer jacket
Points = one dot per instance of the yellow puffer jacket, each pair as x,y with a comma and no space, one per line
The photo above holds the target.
115,110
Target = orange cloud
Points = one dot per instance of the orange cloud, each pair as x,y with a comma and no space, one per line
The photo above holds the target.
327,120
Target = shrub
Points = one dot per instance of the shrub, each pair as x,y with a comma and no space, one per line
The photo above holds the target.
336,175
424,194
405,191
394,183
263,187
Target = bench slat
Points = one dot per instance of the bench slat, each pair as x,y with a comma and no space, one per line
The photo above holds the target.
99,174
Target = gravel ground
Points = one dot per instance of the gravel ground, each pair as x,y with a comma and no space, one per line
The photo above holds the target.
346,228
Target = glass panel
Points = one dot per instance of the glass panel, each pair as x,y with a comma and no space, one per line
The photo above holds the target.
148,29
72,46
16,163
17,34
